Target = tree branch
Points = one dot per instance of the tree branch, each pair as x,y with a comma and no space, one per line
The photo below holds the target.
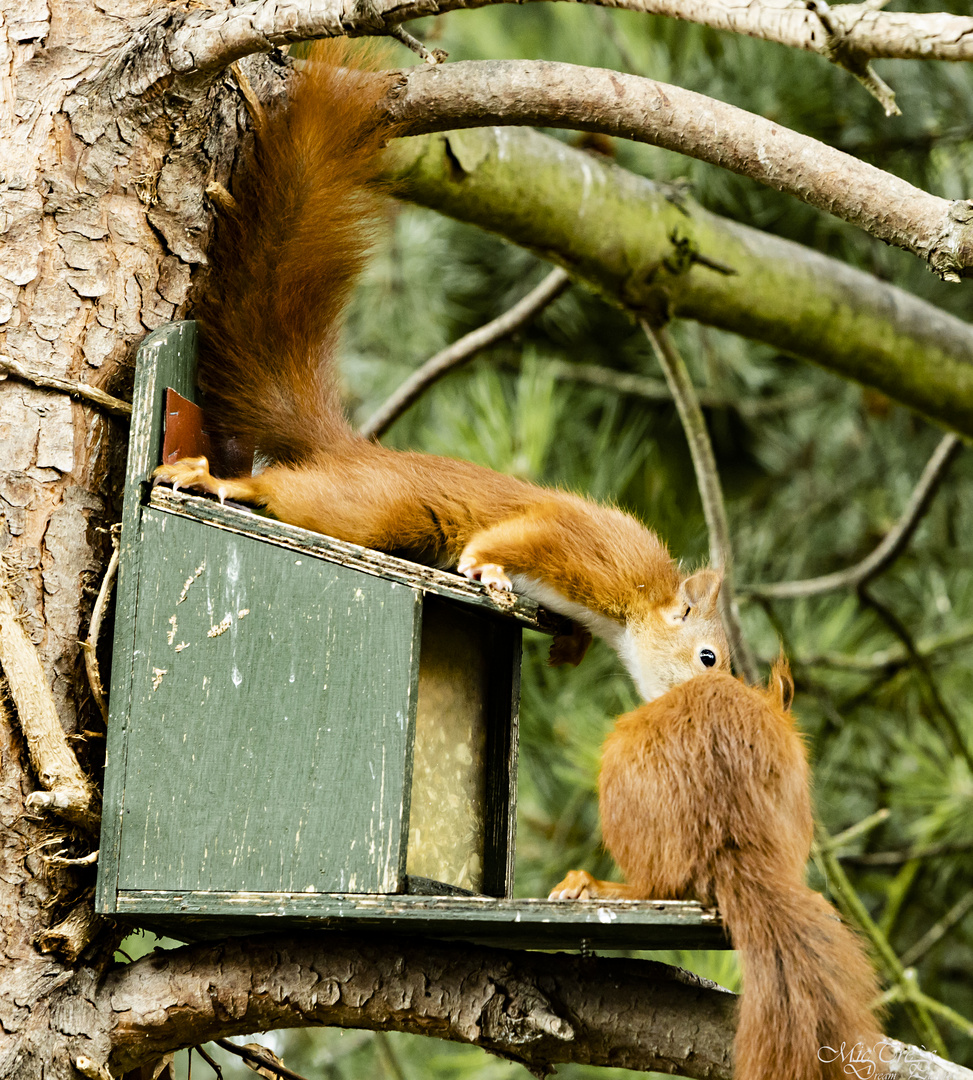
476,94
898,858
90,394
202,42
634,1014
67,791
647,248
536,1008
894,657
901,631
453,356
710,489
889,549
259,1057
94,630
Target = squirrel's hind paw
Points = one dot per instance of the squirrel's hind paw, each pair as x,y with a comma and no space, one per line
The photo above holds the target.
578,885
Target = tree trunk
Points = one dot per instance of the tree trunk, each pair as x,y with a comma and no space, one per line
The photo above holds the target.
102,231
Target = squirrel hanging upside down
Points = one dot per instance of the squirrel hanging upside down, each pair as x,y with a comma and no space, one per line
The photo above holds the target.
282,264
704,795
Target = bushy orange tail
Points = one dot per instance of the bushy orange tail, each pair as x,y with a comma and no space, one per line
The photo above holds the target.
805,1012
283,262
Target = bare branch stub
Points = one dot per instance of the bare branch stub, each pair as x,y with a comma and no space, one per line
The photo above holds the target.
853,60
89,394
67,791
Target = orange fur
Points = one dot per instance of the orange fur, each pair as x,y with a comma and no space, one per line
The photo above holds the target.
704,795
282,265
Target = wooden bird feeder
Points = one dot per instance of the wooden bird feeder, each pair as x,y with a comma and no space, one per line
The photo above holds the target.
306,733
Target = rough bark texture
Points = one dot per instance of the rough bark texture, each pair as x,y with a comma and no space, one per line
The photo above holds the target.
206,40
99,238
537,1007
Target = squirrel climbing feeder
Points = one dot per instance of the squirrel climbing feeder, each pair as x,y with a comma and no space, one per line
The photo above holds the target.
304,732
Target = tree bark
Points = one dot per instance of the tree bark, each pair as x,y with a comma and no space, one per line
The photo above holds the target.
533,1007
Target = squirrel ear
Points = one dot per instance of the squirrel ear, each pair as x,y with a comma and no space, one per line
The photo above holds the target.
702,590
782,682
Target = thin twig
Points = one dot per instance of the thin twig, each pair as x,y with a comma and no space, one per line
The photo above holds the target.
91,394
891,546
894,657
387,1054
265,1062
94,630
866,825
898,858
431,56
935,933
210,1061
624,382
909,992
901,631
464,349
608,24
854,910
710,490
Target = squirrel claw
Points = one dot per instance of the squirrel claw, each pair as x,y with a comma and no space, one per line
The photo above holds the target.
490,574
190,472
575,886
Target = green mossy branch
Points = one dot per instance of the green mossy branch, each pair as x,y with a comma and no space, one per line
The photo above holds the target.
659,254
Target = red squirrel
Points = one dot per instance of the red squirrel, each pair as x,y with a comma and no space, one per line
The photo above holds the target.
282,263
704,795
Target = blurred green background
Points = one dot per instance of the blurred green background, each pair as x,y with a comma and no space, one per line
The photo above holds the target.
813,480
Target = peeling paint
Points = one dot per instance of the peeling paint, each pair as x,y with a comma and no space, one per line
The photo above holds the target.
189,581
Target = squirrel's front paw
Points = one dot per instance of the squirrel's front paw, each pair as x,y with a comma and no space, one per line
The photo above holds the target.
578,885
188,472
490,574
569,648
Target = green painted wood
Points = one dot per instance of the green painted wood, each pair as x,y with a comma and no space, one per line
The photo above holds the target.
546,924
429,579
273,708
167,357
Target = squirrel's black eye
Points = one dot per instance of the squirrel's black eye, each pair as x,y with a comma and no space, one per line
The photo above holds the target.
708,657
